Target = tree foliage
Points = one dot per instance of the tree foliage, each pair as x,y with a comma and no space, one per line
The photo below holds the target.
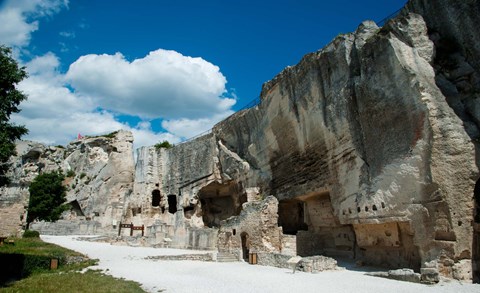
47,197
164,144
10,97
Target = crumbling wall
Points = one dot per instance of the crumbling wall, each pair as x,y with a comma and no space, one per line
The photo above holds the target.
254,230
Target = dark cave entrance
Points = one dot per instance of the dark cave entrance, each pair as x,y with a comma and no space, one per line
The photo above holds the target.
220,201
318,231
156,198
172,203
291,216
76,208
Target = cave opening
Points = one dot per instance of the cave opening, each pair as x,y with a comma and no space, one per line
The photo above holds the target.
172,203
76,208
156,198
310,217
189,211
291,216
220,201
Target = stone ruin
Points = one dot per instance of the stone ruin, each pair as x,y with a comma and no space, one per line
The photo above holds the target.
365,150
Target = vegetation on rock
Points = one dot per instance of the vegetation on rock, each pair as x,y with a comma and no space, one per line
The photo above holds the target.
164,145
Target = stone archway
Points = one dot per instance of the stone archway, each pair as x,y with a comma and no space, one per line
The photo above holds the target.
245,245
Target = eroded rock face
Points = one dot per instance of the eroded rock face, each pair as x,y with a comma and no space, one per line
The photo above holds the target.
99,176
362,146
367,148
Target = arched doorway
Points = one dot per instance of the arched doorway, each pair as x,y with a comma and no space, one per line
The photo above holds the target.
156,198
245,245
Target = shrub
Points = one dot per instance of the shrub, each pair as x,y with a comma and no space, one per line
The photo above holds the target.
47,198
31,234
164,144
71,173
82,175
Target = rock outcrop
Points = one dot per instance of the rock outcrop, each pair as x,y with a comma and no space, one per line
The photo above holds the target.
99,175
365,150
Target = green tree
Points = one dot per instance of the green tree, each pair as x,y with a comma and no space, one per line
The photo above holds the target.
47,197
10,75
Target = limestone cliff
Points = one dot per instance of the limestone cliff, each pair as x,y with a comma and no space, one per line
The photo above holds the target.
99,174
368,144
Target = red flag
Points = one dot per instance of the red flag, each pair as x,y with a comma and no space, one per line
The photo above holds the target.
79,136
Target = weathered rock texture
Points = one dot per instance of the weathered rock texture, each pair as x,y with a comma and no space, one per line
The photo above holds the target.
367,147
99,177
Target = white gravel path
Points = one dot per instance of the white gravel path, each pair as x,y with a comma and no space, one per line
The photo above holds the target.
196,276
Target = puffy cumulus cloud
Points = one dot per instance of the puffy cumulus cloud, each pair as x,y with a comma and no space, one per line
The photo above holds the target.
47,94
163,84
54,114
20,19
144,135
187,128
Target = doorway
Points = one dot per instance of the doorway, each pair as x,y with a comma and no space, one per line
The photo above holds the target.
245,246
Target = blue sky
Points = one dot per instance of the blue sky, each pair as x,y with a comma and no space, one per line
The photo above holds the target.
162,69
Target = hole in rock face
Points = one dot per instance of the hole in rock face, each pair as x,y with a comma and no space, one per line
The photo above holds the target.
374,207
220,201
291,216
172,203
156,198
189,211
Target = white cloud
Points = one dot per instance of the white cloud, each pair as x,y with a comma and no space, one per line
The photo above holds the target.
54,114
187,128
56,111
20,19
189,93
67,34
163,84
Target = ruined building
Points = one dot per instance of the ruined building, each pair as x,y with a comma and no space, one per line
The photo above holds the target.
365,150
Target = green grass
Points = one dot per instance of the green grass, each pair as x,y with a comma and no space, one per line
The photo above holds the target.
37,247
90,281
67,277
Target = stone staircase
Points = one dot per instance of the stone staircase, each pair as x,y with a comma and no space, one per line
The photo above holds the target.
226,257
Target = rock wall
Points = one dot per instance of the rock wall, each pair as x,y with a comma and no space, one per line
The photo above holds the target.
367,147
99,174
363,143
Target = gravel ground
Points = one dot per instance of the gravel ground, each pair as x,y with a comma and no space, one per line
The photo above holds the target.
196,276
